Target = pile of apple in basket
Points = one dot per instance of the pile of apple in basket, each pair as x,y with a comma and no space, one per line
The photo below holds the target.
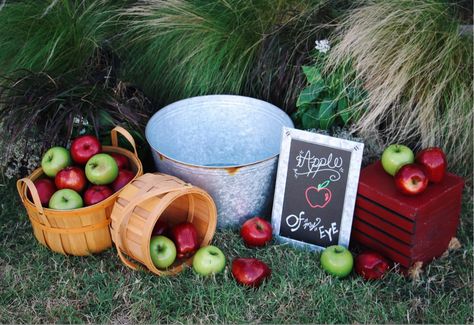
95,174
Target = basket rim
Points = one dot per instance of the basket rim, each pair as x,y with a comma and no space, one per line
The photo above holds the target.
102,204
205,241
207,237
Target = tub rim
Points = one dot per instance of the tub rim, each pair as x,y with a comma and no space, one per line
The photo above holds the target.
167,107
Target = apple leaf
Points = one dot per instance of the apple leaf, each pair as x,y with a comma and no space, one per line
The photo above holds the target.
324,184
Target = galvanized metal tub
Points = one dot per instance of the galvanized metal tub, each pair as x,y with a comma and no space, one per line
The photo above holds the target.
225,144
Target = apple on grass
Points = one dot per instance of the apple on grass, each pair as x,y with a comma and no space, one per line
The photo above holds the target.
395,156
162,251
54,160
101,169
123,178
185,237
121,160
250,272
434,162
371,265
256,232
208,260
96,194
45,188
84,147
66,199
71,177
411,179
337,260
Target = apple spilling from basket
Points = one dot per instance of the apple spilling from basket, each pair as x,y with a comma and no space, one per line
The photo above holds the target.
168,244
81,176
411,174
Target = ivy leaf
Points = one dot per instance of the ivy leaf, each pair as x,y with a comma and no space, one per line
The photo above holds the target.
326,112
310,119
312,74
310,93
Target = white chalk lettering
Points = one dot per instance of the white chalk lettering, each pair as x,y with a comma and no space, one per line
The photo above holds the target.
296,222
309,165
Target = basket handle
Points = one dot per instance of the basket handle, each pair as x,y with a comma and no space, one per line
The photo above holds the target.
34,194
125,260
126,135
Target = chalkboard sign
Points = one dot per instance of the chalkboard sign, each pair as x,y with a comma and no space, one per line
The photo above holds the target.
316,189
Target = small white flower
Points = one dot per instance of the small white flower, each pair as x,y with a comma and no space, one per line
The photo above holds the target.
322,46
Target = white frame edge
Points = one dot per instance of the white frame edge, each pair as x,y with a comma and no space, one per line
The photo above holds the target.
356,148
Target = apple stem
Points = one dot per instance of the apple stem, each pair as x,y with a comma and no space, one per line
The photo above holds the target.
339,250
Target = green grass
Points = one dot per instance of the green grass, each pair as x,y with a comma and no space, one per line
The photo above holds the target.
37,285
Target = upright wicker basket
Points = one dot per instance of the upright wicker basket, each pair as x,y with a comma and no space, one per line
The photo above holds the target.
81,231
158,196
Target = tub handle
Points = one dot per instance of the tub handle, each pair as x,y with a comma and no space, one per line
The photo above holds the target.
126,135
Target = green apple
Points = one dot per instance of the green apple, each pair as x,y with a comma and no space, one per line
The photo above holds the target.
162,251
66,199
101,169
395,156
55,159
337,260
208,260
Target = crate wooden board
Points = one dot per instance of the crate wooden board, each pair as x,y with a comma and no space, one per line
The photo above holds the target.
406,229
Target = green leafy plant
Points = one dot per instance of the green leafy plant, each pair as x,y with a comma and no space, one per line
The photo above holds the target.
183,48
416,67
328,99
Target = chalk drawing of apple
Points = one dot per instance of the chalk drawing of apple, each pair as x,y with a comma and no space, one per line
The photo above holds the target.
314,198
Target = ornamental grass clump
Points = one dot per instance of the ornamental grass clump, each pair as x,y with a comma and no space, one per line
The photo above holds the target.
182,48
416,68
55,36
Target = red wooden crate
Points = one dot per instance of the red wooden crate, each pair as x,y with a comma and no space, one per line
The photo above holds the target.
406,229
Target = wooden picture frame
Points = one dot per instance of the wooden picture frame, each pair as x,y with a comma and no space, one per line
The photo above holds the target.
316,189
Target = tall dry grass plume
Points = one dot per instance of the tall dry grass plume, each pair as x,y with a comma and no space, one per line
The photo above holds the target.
418,72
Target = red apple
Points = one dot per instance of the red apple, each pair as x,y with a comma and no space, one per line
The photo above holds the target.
84,147
96,193
121,160
46,189
256,232
434,162
250,271
161,229
72,178
371,265
185,238
411,179
124,177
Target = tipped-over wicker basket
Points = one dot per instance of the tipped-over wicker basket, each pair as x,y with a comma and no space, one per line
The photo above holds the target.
167,198
81,231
